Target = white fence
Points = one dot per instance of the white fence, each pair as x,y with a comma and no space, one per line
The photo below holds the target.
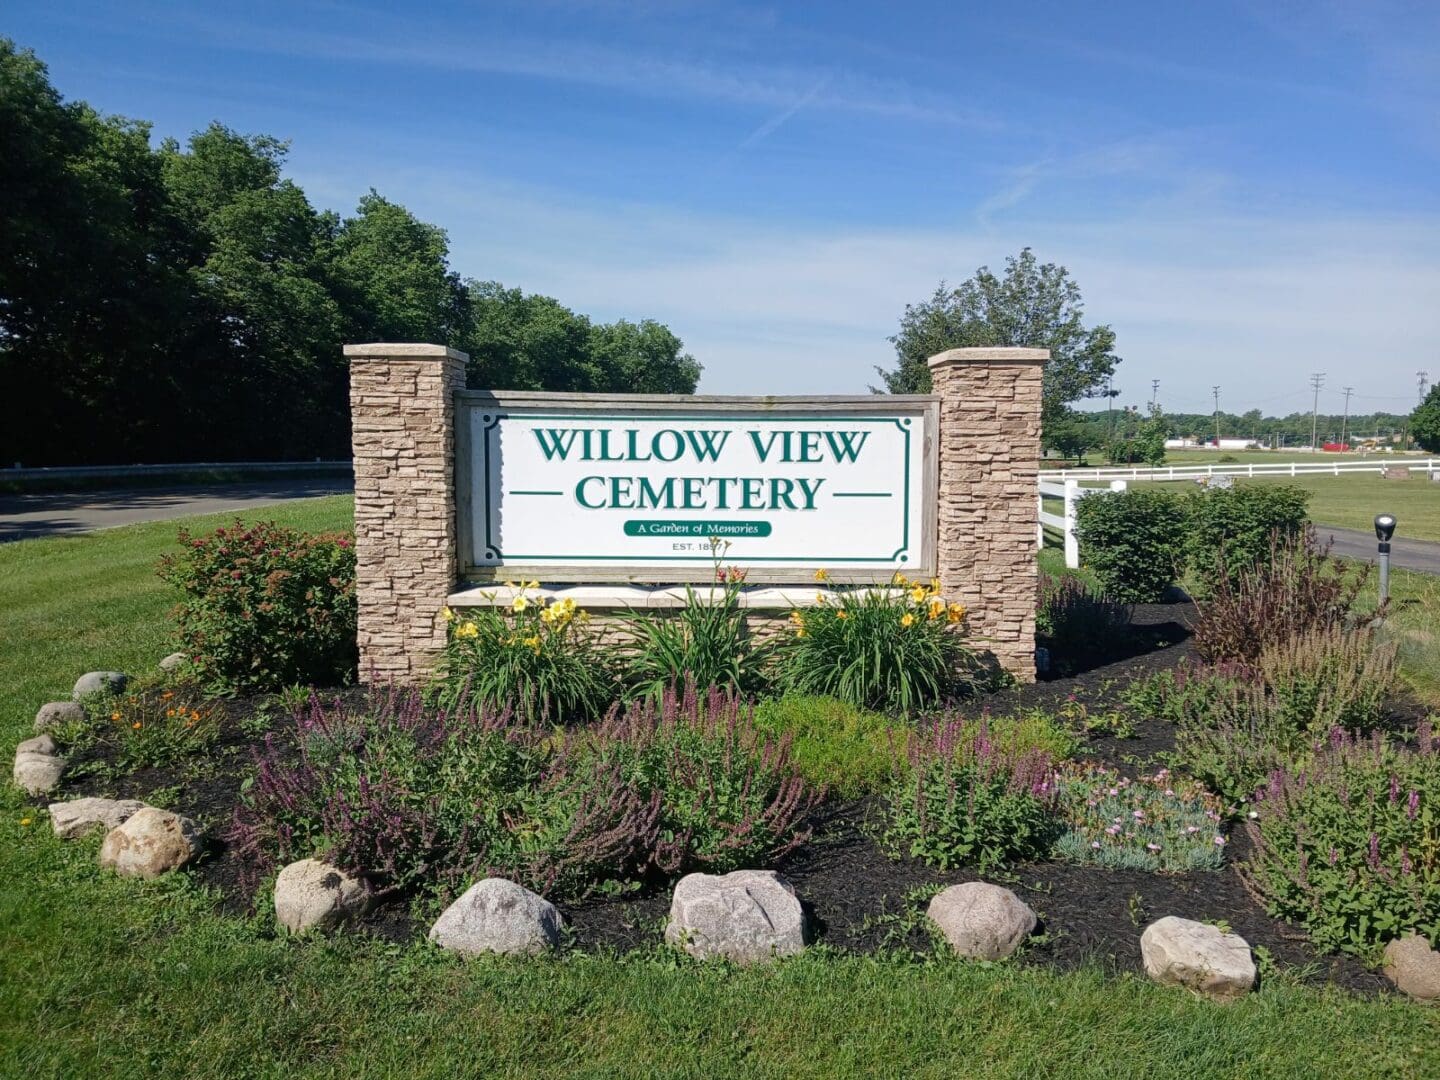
1429,466
1070,492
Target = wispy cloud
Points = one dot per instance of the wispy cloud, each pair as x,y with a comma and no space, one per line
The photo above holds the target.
769,127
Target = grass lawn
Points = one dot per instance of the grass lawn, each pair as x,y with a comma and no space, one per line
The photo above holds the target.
101,976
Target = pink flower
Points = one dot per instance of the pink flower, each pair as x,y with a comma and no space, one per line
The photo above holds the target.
1095,843
1153,847
1219,841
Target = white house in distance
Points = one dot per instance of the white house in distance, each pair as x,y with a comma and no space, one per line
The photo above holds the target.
1223,444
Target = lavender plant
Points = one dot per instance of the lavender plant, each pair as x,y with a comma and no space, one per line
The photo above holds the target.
965,800
1349,847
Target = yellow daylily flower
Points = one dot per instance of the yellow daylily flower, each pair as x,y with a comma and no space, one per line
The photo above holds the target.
822,575
519,604
957,612
907,619
937,608
919,593
842,614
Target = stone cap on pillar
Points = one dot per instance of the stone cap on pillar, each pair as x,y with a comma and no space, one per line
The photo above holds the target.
990,354
403,351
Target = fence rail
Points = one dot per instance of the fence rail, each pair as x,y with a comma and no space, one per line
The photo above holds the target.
1429,466
1070,493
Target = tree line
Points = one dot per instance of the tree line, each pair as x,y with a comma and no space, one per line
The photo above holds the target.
182,302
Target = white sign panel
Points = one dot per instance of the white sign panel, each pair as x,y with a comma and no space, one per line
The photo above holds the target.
636,487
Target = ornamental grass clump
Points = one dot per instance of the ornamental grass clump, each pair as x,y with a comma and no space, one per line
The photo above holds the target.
1258,604
963,799
1349,846
893,648
265,607
1079,623
1157,823
532,657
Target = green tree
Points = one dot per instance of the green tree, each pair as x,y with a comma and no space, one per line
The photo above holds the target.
1034,304
1425,421
642,358
393,270
1070,437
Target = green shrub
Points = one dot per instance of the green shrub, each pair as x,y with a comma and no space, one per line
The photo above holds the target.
1156,823
1349,847
1237,528
893,648
265,606
532,658
836,745
1132,541
1016,736
706,642
1298,586
963,800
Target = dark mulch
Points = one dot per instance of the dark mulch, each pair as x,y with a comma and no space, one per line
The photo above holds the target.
858,898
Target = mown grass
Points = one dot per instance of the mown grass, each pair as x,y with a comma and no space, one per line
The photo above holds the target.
100,976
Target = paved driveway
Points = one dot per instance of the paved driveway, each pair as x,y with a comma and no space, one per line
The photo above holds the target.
54,514
1422,555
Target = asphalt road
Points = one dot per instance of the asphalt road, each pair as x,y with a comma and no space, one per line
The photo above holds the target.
1422,555
58,514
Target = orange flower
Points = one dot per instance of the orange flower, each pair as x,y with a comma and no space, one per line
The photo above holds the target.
136,725
114,716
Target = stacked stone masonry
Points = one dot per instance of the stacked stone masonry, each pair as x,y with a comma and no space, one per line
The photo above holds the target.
989,472
402,401
403,422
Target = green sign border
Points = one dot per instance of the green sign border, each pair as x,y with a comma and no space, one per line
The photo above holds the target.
492,422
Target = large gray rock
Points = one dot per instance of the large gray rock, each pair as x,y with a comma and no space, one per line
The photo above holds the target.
497,916
174,662
74,817
99,682
40,744
151,842
310,895
1414,967
57,713
1198,956
980,920
38,774
745,916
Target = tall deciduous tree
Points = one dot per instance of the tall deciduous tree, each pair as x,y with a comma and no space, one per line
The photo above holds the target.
1034,304
1425,421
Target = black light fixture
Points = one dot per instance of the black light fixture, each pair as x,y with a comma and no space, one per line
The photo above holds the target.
1384,530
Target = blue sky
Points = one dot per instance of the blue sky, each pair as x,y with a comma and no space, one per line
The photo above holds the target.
1246,191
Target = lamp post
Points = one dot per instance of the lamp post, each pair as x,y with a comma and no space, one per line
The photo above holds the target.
1384,530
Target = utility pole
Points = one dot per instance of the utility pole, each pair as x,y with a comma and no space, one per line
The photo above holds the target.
1154,392
1346,421
1216,391
1316,381
1422,377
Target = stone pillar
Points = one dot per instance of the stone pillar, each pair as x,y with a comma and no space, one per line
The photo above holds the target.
989,475
402,414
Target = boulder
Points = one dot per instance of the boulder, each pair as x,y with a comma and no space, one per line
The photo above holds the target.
497,916
40,744
38,774
75,817
149,843
310,894
982,921
1198,956
99,682
1414,967
174,662
56,713
744,916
